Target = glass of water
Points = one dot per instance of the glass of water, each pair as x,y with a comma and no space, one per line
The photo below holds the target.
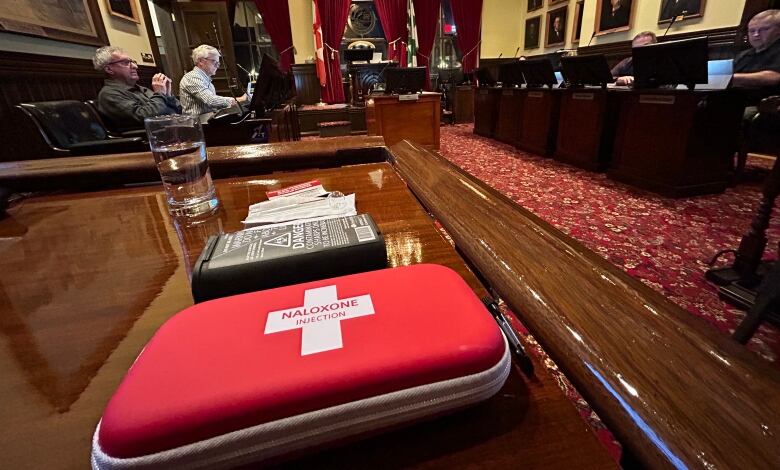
180,153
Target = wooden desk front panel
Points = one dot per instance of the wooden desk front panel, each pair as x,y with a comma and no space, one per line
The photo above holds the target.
464,104
417,120
510,109
586,128
486,111
677,143
539,121
88,278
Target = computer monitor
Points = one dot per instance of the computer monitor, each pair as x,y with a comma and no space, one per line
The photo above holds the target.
585,70
357,55
272,88
484,76
403,80
670,63
538,72
510,74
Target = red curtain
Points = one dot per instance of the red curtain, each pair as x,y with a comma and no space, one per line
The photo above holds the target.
276,18
426,14
468,19
392,14
333,15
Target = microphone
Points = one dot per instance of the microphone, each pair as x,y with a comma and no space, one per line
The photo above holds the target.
674,19
516,51
591,38
245,70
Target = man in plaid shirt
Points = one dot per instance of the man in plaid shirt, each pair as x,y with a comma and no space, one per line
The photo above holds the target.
196,92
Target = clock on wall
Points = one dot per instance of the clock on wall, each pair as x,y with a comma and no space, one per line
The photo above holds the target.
362,19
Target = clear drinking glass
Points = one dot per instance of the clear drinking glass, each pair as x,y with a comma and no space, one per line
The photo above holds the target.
180,153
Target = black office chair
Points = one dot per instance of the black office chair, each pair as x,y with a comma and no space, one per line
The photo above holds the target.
140,132
72,128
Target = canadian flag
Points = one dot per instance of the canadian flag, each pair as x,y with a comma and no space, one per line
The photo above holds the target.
317,26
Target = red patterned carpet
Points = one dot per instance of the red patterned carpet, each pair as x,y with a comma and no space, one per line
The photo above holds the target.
665,243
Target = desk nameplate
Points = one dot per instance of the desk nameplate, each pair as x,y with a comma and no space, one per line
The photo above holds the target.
657,99
535,94
583,96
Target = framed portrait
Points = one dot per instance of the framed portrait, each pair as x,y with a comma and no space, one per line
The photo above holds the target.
577,25
556,27
614,15
126,9
534,5
76,21
673,8
532,27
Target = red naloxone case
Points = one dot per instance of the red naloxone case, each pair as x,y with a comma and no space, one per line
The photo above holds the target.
243,379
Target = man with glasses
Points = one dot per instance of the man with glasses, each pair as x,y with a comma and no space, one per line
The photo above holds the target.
123,103
198,95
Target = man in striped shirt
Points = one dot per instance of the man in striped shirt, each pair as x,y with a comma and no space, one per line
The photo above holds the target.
196,92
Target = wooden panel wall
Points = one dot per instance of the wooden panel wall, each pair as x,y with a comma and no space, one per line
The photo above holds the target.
31,77
721,44
307,85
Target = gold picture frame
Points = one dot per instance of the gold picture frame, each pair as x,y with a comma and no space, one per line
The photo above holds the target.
668,9
125,9
614,15
77,21
576,28
553,37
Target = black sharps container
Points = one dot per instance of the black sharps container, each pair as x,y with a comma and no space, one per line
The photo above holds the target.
264,258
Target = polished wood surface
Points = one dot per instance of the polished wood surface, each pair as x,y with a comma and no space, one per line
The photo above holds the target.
539,121
673,390
89,277
586,128
677,142
118,169
486,111
395,120
510,108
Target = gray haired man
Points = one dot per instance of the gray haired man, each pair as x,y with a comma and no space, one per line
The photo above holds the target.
198,94
123,103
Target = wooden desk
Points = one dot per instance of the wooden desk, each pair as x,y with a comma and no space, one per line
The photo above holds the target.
586,128
510,108
486,102
415,120
87,278
539,121
677,142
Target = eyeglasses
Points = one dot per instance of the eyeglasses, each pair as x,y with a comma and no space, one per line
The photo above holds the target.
762,30
213,61
124,62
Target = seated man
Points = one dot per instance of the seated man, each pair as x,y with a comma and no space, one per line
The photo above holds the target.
624,70
196,90
123,103
758,69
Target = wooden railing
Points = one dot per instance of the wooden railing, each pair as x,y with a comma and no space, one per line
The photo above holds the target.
111,170
675,392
